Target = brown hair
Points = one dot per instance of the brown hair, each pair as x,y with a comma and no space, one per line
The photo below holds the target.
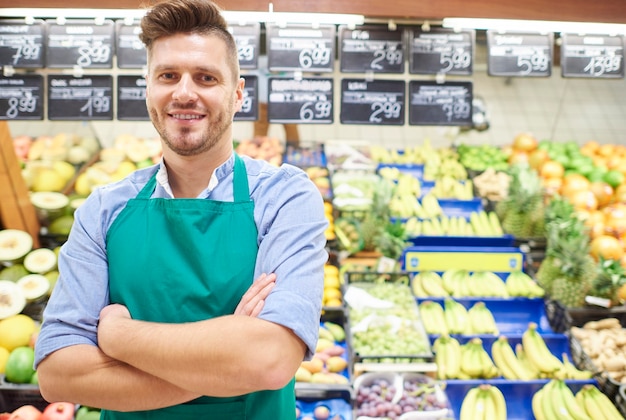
169,17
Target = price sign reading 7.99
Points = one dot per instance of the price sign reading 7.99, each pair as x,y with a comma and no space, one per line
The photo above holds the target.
21,98
433,103
599,56
21,44
304,101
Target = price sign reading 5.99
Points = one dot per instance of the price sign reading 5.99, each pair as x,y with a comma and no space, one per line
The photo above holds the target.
519,54
599,56
21,98
305,101
441,50
301,48
377,102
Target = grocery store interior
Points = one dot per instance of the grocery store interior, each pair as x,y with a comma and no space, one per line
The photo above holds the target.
496,267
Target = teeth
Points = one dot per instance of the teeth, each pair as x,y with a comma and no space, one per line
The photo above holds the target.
186,117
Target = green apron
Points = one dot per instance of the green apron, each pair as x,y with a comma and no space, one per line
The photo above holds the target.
185,260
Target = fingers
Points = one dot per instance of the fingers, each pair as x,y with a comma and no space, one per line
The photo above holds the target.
252,301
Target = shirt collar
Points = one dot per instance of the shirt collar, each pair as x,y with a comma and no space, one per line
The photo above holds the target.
219,173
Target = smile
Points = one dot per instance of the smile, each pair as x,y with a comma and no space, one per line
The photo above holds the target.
187,116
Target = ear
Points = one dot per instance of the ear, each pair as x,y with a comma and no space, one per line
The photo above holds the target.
239,94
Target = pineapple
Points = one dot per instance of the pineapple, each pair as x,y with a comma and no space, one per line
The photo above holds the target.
611,276
522,212
572,271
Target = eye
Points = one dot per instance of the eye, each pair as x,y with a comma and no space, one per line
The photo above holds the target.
168,76
206,78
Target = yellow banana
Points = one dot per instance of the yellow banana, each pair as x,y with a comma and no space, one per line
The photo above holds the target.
505,358
572,372
433,317
439,347
547,402
569,400
592,407
489,404
559,405
536,404
469,405
498,358
432,284
530,369
606,405
499,401
471,362
418,289
489,369
538,352
453,358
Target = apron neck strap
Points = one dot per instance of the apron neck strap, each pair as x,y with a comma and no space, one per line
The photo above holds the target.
241,190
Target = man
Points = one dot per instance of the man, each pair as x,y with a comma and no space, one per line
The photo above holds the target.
155,313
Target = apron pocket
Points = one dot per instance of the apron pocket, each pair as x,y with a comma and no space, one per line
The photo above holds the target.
232,410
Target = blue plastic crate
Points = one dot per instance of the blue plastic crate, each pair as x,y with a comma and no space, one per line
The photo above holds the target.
469,241
460,208
337,401
417,170
512,315
518,394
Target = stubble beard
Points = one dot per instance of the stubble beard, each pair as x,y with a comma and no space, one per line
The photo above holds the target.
184,143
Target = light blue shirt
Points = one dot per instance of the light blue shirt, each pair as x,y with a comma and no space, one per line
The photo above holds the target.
290,220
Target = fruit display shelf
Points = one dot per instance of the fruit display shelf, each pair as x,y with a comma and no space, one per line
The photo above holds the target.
497,259
314,403
518,394
512,315
13,396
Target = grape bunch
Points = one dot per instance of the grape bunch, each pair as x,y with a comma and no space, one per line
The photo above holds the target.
419,394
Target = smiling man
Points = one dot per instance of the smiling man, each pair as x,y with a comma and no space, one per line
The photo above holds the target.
192,288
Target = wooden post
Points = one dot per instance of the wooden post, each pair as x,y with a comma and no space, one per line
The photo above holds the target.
16,209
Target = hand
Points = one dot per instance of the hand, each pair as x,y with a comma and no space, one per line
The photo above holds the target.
114,310
106,325
253,300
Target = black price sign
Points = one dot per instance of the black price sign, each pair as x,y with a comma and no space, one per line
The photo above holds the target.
82,44
301,48
247,37
433,103
304,101
131,53
131,98
80,98
441,50
519,54
250,106
21,44
21,97
371,49
375,102
599,56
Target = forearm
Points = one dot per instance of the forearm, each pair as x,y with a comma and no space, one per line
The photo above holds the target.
82,374
220,357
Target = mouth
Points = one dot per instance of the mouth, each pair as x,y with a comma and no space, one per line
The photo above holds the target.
187,117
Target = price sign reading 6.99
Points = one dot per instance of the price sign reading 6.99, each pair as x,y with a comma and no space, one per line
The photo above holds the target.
305,101
301,48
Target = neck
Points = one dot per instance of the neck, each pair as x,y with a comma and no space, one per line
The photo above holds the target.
189,175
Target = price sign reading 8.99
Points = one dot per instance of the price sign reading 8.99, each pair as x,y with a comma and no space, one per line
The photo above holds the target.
297,47
21,97
600,56
80,43
305,101
375,102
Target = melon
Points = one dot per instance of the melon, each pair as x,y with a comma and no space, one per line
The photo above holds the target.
14,245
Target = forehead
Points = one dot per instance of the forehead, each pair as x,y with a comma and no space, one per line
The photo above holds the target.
187,47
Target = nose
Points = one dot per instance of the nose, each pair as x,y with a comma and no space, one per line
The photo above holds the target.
184,90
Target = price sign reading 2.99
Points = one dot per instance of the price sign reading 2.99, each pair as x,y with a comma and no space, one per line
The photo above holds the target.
433,103
80,98
599,56
376,102
21,98
371,49
304,101
301,48
80,43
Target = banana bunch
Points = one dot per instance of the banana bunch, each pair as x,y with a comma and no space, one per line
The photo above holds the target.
405,207
428,283
597,405
536,354
484,284
447,357
483,402
508,363
456,317
555,400
485,223
481,320
476,362
431,205
453,279
433,318
521,284
449,187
